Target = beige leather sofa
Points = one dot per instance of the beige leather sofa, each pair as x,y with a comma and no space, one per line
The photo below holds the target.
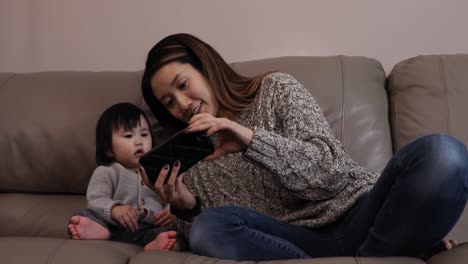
47,143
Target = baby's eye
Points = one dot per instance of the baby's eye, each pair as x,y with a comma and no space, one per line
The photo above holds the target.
144,134
128,135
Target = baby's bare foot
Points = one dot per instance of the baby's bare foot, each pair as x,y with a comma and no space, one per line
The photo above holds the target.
164,241
86,229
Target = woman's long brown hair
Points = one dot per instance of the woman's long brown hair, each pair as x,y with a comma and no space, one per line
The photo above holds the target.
234,92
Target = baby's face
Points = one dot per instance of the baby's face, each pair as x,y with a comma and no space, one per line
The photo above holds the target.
129,145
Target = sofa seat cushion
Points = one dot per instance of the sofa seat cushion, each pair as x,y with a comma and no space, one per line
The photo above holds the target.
37,215
146,257
54,251
455,256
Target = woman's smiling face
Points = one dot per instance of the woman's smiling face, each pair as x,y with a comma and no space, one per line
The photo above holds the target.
184,91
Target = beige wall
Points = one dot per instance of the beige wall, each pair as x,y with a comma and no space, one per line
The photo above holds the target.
96,35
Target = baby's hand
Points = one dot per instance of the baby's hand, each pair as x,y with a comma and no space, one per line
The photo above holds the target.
164,218
126,216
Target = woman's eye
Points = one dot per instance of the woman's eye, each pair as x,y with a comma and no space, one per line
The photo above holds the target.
183,85
169,103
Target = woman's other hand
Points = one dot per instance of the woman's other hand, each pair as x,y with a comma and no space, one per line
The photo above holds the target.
164,218
233,137
174,192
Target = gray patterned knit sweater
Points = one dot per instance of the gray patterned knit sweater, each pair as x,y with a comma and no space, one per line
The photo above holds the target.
294,170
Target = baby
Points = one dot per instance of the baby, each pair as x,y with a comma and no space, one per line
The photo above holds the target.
120,206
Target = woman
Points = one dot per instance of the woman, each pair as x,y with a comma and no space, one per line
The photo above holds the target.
279,185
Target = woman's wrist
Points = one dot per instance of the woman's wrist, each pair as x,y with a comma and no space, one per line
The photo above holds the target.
188,214
190,204
249,137
245,134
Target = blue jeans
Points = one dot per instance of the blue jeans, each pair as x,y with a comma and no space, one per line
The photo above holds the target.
417,200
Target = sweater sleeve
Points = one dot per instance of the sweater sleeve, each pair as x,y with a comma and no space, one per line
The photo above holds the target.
100,192
148,216
303,153
188,214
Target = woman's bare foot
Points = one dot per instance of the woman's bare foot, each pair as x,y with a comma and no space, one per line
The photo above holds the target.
86,229
442,246
450,244
164,241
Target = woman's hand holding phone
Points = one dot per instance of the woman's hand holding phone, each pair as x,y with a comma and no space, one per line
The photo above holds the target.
233,137
174,192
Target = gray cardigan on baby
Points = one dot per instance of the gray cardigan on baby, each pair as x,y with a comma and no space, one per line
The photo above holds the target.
294,169
116,185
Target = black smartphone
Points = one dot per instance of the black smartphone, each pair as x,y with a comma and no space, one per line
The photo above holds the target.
188,148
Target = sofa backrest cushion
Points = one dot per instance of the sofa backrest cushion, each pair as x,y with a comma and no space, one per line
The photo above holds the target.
48,119
428,94
351,92
48,127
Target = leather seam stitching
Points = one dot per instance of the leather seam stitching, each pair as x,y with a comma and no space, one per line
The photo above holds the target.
54,252
342,100
7,80
357,260
442,69
395,111
185,259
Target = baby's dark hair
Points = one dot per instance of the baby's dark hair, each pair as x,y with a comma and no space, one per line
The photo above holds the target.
114,117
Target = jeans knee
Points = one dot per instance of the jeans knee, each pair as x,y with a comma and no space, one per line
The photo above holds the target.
447,160
209,227
448,153
199,232
444,151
